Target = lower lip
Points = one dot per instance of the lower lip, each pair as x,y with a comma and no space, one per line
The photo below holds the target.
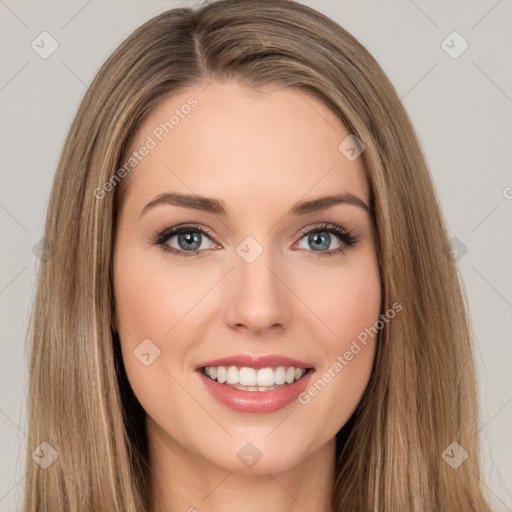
256,401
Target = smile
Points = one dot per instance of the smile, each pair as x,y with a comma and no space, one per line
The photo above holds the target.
252,379
255,383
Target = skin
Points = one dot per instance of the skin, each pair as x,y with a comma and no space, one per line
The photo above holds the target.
259,152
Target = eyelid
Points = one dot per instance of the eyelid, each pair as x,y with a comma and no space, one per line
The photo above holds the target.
347,238
164,234
321,226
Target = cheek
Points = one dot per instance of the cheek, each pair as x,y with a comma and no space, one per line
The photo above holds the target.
346,300
150,300
149,303
348,303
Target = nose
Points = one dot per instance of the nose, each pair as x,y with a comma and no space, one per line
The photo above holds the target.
256,298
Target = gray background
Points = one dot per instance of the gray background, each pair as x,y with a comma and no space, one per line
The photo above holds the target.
461,109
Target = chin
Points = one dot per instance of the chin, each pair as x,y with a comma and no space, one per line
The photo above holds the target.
257,455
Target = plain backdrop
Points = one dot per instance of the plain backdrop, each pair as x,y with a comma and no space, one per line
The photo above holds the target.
461,108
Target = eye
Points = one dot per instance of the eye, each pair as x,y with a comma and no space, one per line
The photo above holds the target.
321,238
185,240
194,240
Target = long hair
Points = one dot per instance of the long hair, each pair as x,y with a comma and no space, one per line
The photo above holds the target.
421,395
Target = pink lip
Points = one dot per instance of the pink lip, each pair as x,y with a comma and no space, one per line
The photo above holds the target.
255,401
256,362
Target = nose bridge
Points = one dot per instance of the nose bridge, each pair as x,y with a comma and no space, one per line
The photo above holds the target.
255,295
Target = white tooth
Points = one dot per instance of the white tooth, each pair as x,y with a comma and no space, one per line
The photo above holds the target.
265,377
252,379
221,374
232,375
290,375
247,376
280,375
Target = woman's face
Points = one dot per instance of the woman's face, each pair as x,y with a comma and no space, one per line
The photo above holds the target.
258,277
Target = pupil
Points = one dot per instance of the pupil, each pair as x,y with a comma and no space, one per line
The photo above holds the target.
190,238
319,240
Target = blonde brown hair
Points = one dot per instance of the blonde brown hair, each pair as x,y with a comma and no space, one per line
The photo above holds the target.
421,396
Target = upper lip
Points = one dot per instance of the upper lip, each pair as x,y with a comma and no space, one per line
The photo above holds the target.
253,361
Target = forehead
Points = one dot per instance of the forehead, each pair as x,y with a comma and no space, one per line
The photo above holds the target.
247,147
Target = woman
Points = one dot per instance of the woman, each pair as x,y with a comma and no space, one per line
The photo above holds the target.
252,303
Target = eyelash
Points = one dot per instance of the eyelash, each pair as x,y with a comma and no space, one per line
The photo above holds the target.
162,237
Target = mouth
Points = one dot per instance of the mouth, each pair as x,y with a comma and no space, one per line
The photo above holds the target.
255,384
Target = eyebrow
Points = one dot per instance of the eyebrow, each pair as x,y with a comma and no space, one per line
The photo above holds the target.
218,207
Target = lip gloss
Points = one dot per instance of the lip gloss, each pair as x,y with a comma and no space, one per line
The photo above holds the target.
256,401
